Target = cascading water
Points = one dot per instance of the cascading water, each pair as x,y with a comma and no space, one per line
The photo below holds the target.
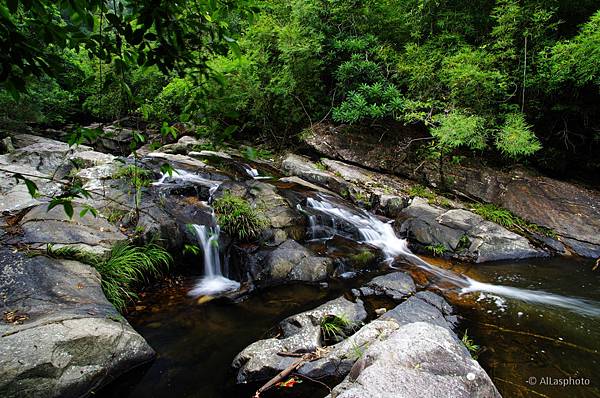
377,233
213,281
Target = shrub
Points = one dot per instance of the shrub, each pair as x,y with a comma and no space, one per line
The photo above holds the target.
123,268
236,217
458,129
515,138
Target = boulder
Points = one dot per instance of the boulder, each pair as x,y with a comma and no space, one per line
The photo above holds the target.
419,359
300,333
293,262
464,234
60,337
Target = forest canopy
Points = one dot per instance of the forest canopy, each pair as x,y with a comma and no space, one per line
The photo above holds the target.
514,78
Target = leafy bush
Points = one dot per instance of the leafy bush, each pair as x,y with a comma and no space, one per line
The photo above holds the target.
457,129
236,217
515,138
123,268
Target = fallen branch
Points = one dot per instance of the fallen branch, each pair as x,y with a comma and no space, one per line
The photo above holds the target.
307,357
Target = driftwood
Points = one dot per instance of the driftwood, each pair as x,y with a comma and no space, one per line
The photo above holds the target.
303,358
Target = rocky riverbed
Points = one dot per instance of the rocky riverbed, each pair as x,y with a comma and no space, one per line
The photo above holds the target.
66,339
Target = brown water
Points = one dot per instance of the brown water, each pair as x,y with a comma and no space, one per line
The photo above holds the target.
196,343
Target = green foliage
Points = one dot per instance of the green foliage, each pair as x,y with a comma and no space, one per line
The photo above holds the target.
457,129
238,218
421,191
515,138
508,220
473,348
333,327
122,269
136,176
436,250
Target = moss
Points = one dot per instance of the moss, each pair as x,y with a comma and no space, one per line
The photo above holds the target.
362,259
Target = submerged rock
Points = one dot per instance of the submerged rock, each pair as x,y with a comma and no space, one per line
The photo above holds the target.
60,337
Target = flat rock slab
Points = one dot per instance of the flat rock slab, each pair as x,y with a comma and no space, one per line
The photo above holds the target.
41,227
60,337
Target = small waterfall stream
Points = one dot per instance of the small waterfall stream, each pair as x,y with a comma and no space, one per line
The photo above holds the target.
213,281
380,234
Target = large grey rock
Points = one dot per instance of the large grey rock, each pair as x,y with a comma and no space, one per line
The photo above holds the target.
41,227
60,337
464,234
300,333
293,262
418,360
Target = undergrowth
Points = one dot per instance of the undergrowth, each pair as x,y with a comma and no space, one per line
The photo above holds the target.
123,267
508,220
236,217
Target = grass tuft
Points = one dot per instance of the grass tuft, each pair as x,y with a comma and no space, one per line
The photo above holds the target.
123,268
236,217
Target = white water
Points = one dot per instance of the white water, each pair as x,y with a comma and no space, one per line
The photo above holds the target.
183,175
213,281
381,235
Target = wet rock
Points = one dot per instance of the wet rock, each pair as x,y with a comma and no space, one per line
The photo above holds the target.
299,181
341,357
300,333
293,262
6,145
183,146
417,360
570,210
69,339
395,285
465,234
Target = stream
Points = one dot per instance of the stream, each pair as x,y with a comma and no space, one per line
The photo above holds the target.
536,320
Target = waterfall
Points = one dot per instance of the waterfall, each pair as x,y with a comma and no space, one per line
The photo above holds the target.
213,281
369,229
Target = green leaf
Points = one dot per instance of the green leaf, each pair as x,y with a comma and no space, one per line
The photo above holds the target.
166,168
31,186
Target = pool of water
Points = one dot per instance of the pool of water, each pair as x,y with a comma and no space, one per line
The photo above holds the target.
525,346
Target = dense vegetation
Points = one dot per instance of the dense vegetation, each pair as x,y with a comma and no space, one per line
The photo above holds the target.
512,78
